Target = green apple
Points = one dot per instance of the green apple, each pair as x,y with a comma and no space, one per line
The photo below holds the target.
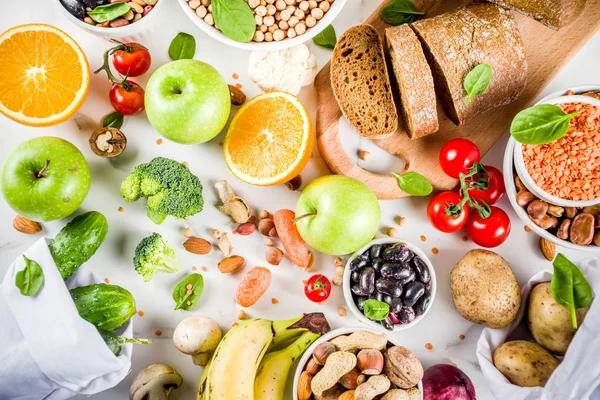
45,178
187,101
337,215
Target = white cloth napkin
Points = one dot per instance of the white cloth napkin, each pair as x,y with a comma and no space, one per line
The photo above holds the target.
47,351
578,375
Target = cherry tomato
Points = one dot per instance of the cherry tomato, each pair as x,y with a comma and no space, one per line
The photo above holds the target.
491,231
457,156
132,61
317,288
495,189
443,220
127,102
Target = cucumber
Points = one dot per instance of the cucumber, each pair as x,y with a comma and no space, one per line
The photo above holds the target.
105,306
78,241
114,342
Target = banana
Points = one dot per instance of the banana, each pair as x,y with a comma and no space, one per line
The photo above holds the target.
274,368
201,395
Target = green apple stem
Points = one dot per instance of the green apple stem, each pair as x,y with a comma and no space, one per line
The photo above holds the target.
43,171
303,216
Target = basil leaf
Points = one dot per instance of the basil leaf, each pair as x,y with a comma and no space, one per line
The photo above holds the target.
376,310
30,279
183,47
182,294
414,183
326,38
569,286
109,12
113,120
400,12
235,19
541,124
477,80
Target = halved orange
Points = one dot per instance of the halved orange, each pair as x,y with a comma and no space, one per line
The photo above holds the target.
270,139
44,76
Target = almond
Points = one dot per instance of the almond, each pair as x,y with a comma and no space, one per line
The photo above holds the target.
274,255
348,395
304,390
197,246
548,249
230,264
237,96
26,226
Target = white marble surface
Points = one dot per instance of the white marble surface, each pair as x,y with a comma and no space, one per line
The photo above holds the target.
441,327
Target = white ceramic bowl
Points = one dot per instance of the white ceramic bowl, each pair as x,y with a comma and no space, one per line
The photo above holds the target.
347,282
122,32
213,32
328,336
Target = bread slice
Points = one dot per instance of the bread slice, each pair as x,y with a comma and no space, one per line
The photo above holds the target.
552,13
457,42
361,83
413,80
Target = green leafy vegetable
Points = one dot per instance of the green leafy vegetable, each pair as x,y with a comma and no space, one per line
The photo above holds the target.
30,279
182,47
414,183
188,292
477,80
113,120
400,12
569,286
326,38
235,19
109,12
376,310
540,124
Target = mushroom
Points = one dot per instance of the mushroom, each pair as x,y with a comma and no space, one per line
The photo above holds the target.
154,382
198,337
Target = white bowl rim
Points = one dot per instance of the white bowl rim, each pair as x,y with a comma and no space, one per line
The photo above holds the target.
333,334
336,8
348,292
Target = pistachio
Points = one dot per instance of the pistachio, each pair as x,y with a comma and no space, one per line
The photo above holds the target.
233,205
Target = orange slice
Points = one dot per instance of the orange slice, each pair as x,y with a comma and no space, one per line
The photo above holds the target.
269,140
44,76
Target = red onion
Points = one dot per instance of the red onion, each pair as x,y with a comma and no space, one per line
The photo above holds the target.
446,382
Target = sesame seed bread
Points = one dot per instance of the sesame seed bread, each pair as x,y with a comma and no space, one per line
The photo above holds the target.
458,41
361,83
552,13
413,81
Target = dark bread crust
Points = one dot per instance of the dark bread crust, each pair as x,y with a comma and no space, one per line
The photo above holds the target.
552,13
456,42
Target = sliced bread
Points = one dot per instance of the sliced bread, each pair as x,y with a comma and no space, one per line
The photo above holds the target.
457,42
552,13
361,83
413,80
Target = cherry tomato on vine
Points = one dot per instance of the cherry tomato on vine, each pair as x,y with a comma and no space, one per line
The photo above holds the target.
457,156
491,231
127,97
495,189
442,215
131,59
317,288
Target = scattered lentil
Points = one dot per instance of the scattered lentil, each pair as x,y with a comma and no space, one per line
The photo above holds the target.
435,250
429,346
121,209
158,332
342,312
159,141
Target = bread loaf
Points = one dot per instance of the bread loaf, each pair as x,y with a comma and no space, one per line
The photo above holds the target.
361,83
552,13
457,42
413,80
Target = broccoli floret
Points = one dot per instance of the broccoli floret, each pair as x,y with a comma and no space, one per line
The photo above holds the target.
169,186
153,254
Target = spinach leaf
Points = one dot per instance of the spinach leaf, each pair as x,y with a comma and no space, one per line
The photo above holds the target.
109,12
183,47
30,279
376,310
235,19
188,292
414,183
113,120
540,124
400,12
477,80
326,38
569,286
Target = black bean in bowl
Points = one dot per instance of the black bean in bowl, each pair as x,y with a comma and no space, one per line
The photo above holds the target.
107,13
393,274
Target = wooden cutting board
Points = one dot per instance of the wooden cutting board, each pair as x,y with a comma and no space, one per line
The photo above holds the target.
547,52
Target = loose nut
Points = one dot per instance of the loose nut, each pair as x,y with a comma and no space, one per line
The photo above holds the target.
570,212
597,238
108,142
237,96
518,184
537,209
349,395
273,232
274,255
582,229
555,211
524,197
224,245
402,367
268,241
563,230
304,390
246,229
364,155
322,352
369,362
337,280
265,225
295,183
197,246
188,233
376,385
26,226
352,379
312,367
215,233
546,222
264,214
230,264
548,249
337,365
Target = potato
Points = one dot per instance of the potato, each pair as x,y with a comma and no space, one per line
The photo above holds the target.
525,364
549,322
485,290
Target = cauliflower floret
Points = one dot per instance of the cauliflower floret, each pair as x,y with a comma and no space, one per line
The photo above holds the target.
286,70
